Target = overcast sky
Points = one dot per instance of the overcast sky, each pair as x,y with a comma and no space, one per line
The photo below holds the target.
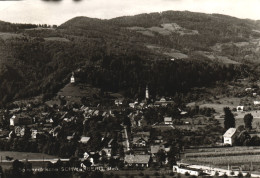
50,12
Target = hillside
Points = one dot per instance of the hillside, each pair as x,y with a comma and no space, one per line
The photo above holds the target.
125,54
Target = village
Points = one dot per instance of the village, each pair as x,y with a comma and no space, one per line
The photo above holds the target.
131,135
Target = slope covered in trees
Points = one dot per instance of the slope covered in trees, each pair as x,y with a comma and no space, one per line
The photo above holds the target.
114,56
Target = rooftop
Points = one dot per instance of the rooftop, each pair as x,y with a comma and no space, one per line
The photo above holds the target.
167,119
141,159
230,132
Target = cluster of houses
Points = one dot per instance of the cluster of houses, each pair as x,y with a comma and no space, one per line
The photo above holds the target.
140,150
253,92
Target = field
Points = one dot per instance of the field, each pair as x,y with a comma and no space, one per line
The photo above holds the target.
57,39
137,173
23,156
224,160
244,157
7,36
231,102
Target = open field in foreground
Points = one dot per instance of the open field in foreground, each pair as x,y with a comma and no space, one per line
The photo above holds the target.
24,155
247,158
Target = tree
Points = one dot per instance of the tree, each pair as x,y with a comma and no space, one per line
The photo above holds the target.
161,156
17,168
248,118
240,174
229,119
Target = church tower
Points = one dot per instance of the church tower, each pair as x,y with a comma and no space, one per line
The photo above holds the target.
146,93
72,78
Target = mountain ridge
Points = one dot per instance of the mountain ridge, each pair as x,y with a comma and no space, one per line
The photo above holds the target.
124,54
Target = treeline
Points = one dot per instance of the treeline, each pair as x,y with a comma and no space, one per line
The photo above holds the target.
14,27
10,27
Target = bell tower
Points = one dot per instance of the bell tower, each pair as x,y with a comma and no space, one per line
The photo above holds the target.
146,93
72,78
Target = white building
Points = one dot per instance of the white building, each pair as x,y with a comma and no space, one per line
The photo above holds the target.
12,120
147,93
72,78
256,102
240,108
229,136
168,121
185,170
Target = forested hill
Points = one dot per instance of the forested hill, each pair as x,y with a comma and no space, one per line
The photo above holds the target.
170,51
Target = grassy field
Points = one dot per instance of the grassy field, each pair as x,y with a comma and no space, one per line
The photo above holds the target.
57,39
6,36
140,173
224,160
24,155
244,157
230,102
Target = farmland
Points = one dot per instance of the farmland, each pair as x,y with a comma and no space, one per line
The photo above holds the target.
24,155
243,157
224,160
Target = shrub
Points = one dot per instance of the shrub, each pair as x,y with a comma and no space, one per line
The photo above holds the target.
187,174
248,175
240,174
156,174
141,174
171,174
216,173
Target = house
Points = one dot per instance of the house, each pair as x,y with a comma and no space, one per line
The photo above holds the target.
143,134
84,140
156,148
163,102
168,121
256,102
140,141
132,105
229,136
158,140
248,89
107,152
85,156
141,122
137,160
34,133
20,120
119,101
240,108
69,138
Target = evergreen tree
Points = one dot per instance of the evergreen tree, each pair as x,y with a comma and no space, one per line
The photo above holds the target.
229,119
248,118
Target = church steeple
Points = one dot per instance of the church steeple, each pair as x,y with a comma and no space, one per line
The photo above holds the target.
146,93
72,78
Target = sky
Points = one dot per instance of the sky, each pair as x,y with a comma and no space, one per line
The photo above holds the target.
59,11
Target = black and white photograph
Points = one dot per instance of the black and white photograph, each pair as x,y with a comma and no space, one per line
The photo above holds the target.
129,88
